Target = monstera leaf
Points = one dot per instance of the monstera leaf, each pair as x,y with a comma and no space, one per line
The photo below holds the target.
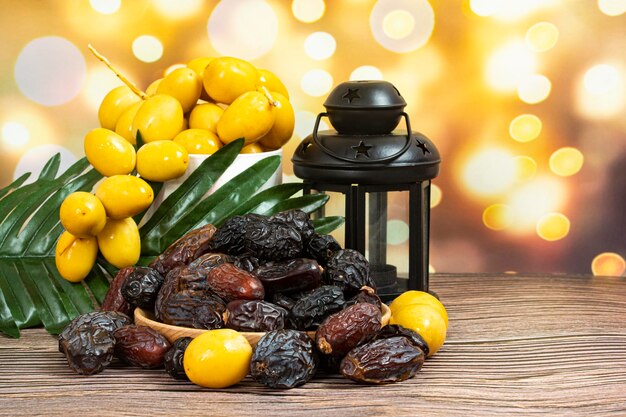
32,293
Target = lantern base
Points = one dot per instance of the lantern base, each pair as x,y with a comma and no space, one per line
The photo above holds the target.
387,290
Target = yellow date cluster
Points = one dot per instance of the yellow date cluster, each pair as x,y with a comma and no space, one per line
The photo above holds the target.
194,109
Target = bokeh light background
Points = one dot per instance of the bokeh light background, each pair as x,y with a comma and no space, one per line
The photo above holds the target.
525,99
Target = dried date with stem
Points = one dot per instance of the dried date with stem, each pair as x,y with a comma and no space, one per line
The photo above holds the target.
348,328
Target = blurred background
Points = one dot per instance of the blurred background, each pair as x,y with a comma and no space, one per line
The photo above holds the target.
525,99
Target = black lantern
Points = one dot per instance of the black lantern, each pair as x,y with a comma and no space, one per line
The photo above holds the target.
366,159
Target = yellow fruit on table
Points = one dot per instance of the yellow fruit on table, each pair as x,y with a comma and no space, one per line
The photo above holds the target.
184,85
217,359
124,195
270,81
124,126
426,321
119,242
252,148
250,117
198,141
109,153
205,116
162,160
227,78
82,214
152,88
160,117
283,126
418,297
75,256
114,104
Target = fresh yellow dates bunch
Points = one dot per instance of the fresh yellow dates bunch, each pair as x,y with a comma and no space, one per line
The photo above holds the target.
212,102
194,109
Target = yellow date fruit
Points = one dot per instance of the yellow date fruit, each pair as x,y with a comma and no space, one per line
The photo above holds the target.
109,153
75,256
124,195
425,320
283,126
120,243
160,117
199,64
251,116
205,116
152,88
82,214
217,358
252,148
270,81
227,78
418,297
124,126
198,141
114,104
162,160
184,85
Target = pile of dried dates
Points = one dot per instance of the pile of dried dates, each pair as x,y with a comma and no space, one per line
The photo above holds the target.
253,274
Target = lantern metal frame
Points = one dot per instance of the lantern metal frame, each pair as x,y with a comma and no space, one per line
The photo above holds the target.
355,222
365,159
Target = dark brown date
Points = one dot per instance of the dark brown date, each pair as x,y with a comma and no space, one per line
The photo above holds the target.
232,283
184,250
283,359
208,261
201,310
87,341
169,287
298,274
283,301
313,307
246,262
272,240
230,235
113,300
142,286
299,220
349,270
393,330
191,279
321,248
366,295
383,361
348,328
140,346
254,316
174,358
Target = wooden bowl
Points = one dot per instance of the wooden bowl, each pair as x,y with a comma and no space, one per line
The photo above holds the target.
145,318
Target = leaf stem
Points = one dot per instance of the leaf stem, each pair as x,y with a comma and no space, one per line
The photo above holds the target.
269,96
125,80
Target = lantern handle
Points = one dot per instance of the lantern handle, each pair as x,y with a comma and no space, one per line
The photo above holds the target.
343,158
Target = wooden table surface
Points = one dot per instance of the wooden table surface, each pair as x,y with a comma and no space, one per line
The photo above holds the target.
517,345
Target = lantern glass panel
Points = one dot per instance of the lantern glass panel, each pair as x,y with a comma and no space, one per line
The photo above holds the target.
387,239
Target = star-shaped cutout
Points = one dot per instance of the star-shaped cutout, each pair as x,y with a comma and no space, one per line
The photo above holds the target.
422,146
362,149
352,94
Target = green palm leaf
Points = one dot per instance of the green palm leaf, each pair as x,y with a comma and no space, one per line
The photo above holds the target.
32,292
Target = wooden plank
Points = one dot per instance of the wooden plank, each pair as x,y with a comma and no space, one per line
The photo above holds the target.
517,345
